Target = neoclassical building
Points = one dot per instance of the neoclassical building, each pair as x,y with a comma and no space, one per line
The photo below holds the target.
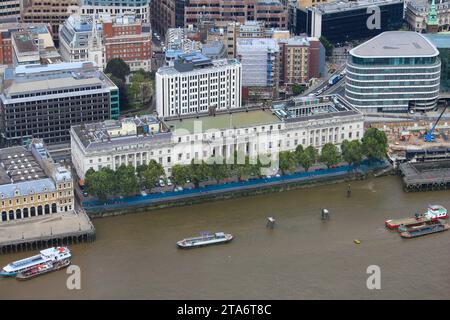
306,121
32,185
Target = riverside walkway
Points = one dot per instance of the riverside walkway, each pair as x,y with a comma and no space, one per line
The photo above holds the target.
45,231
93,206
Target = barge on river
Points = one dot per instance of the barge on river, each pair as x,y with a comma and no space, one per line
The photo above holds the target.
205,239
427,227
434,212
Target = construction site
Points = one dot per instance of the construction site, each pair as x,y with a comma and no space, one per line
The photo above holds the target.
417,140
420,151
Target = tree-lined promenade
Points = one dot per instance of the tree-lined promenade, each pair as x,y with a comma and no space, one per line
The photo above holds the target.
127,180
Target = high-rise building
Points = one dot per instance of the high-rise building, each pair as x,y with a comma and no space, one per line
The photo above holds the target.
52,12
301,59
272,12
128,38
345,20
141,8
43,101
167,14
394,72
260,59
268,63
196,84
442,42
9,9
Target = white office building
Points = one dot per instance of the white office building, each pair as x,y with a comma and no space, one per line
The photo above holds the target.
196,84
141,8
80,39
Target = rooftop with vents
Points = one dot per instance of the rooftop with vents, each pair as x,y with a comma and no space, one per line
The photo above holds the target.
394,44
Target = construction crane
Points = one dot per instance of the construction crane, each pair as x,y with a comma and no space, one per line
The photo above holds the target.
429,137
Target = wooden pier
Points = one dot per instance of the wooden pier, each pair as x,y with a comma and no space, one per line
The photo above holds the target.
49,231
426,176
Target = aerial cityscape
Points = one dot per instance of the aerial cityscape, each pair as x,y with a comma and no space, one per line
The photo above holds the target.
310,138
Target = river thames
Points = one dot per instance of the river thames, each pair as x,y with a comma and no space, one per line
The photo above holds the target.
303,257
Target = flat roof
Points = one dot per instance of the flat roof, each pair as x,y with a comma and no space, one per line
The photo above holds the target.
396,44
440,40
17,164
225,121
49,84
24,42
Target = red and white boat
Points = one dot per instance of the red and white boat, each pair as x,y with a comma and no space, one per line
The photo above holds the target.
433,213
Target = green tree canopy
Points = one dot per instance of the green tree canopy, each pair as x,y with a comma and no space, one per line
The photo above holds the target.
374,143
305,160
180,174
100,183
118,68
313,153
198,172
297,88
126,180
218,170
330,154
152,174
298,152
352,151
287,161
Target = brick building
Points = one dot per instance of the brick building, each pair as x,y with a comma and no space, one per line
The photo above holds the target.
126,37
53,12
273,12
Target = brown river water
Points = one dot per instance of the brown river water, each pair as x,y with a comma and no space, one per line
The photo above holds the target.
135,257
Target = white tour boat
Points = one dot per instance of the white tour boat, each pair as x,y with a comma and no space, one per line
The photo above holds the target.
50,255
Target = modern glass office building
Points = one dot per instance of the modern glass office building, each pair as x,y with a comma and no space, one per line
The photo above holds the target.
394,72
342,21
442,43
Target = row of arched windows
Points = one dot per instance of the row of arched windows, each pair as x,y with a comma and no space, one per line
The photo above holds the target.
28,212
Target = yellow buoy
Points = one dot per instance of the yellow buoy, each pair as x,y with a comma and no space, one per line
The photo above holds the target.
356,241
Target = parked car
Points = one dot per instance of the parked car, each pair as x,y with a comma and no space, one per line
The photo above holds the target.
161,183
169,182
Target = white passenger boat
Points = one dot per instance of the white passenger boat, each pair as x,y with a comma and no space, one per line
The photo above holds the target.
51,255
205,239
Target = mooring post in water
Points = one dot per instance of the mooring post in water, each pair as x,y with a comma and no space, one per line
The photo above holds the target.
349,191
270,222
325,214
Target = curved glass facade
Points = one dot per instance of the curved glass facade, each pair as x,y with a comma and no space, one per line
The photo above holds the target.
393,84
